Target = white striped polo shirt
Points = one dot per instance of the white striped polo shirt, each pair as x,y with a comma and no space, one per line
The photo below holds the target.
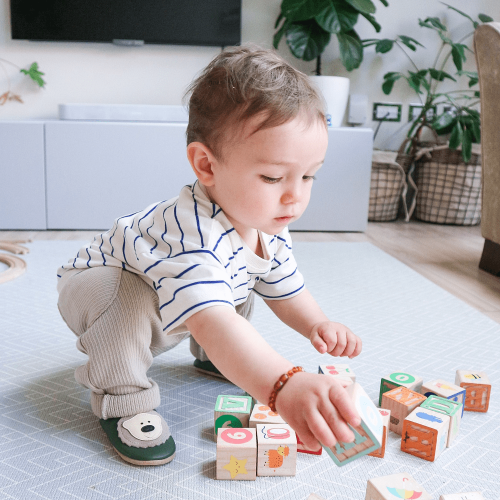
189,252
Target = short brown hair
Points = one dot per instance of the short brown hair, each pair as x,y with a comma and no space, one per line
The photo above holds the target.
242,82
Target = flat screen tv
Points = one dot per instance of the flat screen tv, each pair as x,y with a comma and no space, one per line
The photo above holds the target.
184,22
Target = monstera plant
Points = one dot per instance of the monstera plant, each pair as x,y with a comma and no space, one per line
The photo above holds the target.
308,26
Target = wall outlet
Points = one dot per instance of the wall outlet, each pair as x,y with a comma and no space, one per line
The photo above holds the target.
416,109
387,111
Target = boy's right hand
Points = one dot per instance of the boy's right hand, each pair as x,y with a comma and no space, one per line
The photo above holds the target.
318,408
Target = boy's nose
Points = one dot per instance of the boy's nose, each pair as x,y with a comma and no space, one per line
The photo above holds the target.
291,195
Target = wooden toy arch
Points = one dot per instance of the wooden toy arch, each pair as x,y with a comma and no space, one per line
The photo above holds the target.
17,266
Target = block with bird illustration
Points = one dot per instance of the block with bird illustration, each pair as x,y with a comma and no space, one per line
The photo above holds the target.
477,389
276,450
236,454
395,486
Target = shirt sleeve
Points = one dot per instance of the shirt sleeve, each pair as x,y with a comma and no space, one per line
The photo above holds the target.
284,280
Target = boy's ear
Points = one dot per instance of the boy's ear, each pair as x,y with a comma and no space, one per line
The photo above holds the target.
202,160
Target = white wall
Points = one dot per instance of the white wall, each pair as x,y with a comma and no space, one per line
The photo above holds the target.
156,74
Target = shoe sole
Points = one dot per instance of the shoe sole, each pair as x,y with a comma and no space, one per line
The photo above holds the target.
213,374
145,462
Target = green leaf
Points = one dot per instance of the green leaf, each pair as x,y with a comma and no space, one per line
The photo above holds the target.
384,46
445,39
409,42
385,3
364,6
306,40
387,86
367,42
372,21
476,132
301,10
462,14
477,94
35,74
414,81
280,17
457,58
473,81
456,135
440,75
351,50
329,19
466,145
443,122
432,22
348,16
279,34
485,19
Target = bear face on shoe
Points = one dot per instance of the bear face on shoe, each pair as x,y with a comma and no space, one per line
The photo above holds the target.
144,430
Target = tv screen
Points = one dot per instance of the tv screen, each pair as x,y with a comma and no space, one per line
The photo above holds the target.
185,22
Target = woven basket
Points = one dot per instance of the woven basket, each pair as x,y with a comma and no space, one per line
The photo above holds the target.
449,190
386,187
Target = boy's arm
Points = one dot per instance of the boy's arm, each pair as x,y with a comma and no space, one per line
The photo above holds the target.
303,314
317,407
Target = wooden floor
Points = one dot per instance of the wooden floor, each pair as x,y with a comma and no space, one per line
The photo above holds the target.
447,255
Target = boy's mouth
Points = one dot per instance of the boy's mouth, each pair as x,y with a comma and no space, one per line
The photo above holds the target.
284,219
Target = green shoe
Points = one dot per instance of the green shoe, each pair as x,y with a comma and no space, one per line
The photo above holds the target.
141,440
208,368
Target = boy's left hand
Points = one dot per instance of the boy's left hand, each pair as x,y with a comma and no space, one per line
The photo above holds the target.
335,339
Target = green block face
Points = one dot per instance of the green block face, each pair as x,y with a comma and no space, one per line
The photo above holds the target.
234,404
386,386
442,405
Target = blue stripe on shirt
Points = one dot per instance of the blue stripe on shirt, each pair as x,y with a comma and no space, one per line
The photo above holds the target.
196,215
180,229
222,236
278,296
282,239
195,306
274,282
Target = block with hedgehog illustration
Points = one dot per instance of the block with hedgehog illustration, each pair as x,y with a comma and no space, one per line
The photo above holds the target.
477,389
338,370
262,414
386,415
448,407
395,486
399,379
401,401
471,495
232,411
444,389
425,434
276,450
236,454
368,435
302,448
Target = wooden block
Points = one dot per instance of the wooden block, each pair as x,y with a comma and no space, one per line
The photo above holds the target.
444,389
276,450
477,389
386,415
451,408
232,411
368,435
302,448
425,434
399,379
471,495
262,414
236,454
337,370
401,401
395,486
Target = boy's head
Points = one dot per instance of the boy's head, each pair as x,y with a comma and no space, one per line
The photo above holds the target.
244,82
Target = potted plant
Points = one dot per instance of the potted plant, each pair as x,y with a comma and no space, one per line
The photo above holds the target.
308,26
445,176
33,72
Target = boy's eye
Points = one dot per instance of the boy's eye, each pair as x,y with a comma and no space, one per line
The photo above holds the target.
270,180
309,178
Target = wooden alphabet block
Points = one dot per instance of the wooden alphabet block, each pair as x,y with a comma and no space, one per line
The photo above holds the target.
236,454
337,370
401,401
471,495
232,411
425,434
445,390
386,415
368,435
399,379
302,448
451,408
277,450
395,486
477,389
262,414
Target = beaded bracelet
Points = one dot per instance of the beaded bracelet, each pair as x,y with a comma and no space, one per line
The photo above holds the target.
279,385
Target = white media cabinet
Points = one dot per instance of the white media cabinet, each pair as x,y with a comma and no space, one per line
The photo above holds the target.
65,174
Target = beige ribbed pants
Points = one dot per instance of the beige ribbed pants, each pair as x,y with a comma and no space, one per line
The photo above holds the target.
116,317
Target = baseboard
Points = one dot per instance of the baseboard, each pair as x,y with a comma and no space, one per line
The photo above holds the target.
490,259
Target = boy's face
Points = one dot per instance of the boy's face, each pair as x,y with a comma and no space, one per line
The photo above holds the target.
264,179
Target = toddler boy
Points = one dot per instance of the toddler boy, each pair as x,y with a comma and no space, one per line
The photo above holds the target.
190,265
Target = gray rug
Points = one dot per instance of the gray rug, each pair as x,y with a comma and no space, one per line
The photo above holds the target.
52,447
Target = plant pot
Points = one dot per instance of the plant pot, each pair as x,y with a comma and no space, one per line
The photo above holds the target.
335,90
449,190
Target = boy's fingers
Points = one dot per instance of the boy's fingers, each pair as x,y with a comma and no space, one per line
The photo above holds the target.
357,350
322,430
351,345
318,343
307,438
337,424
340,344
344,405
